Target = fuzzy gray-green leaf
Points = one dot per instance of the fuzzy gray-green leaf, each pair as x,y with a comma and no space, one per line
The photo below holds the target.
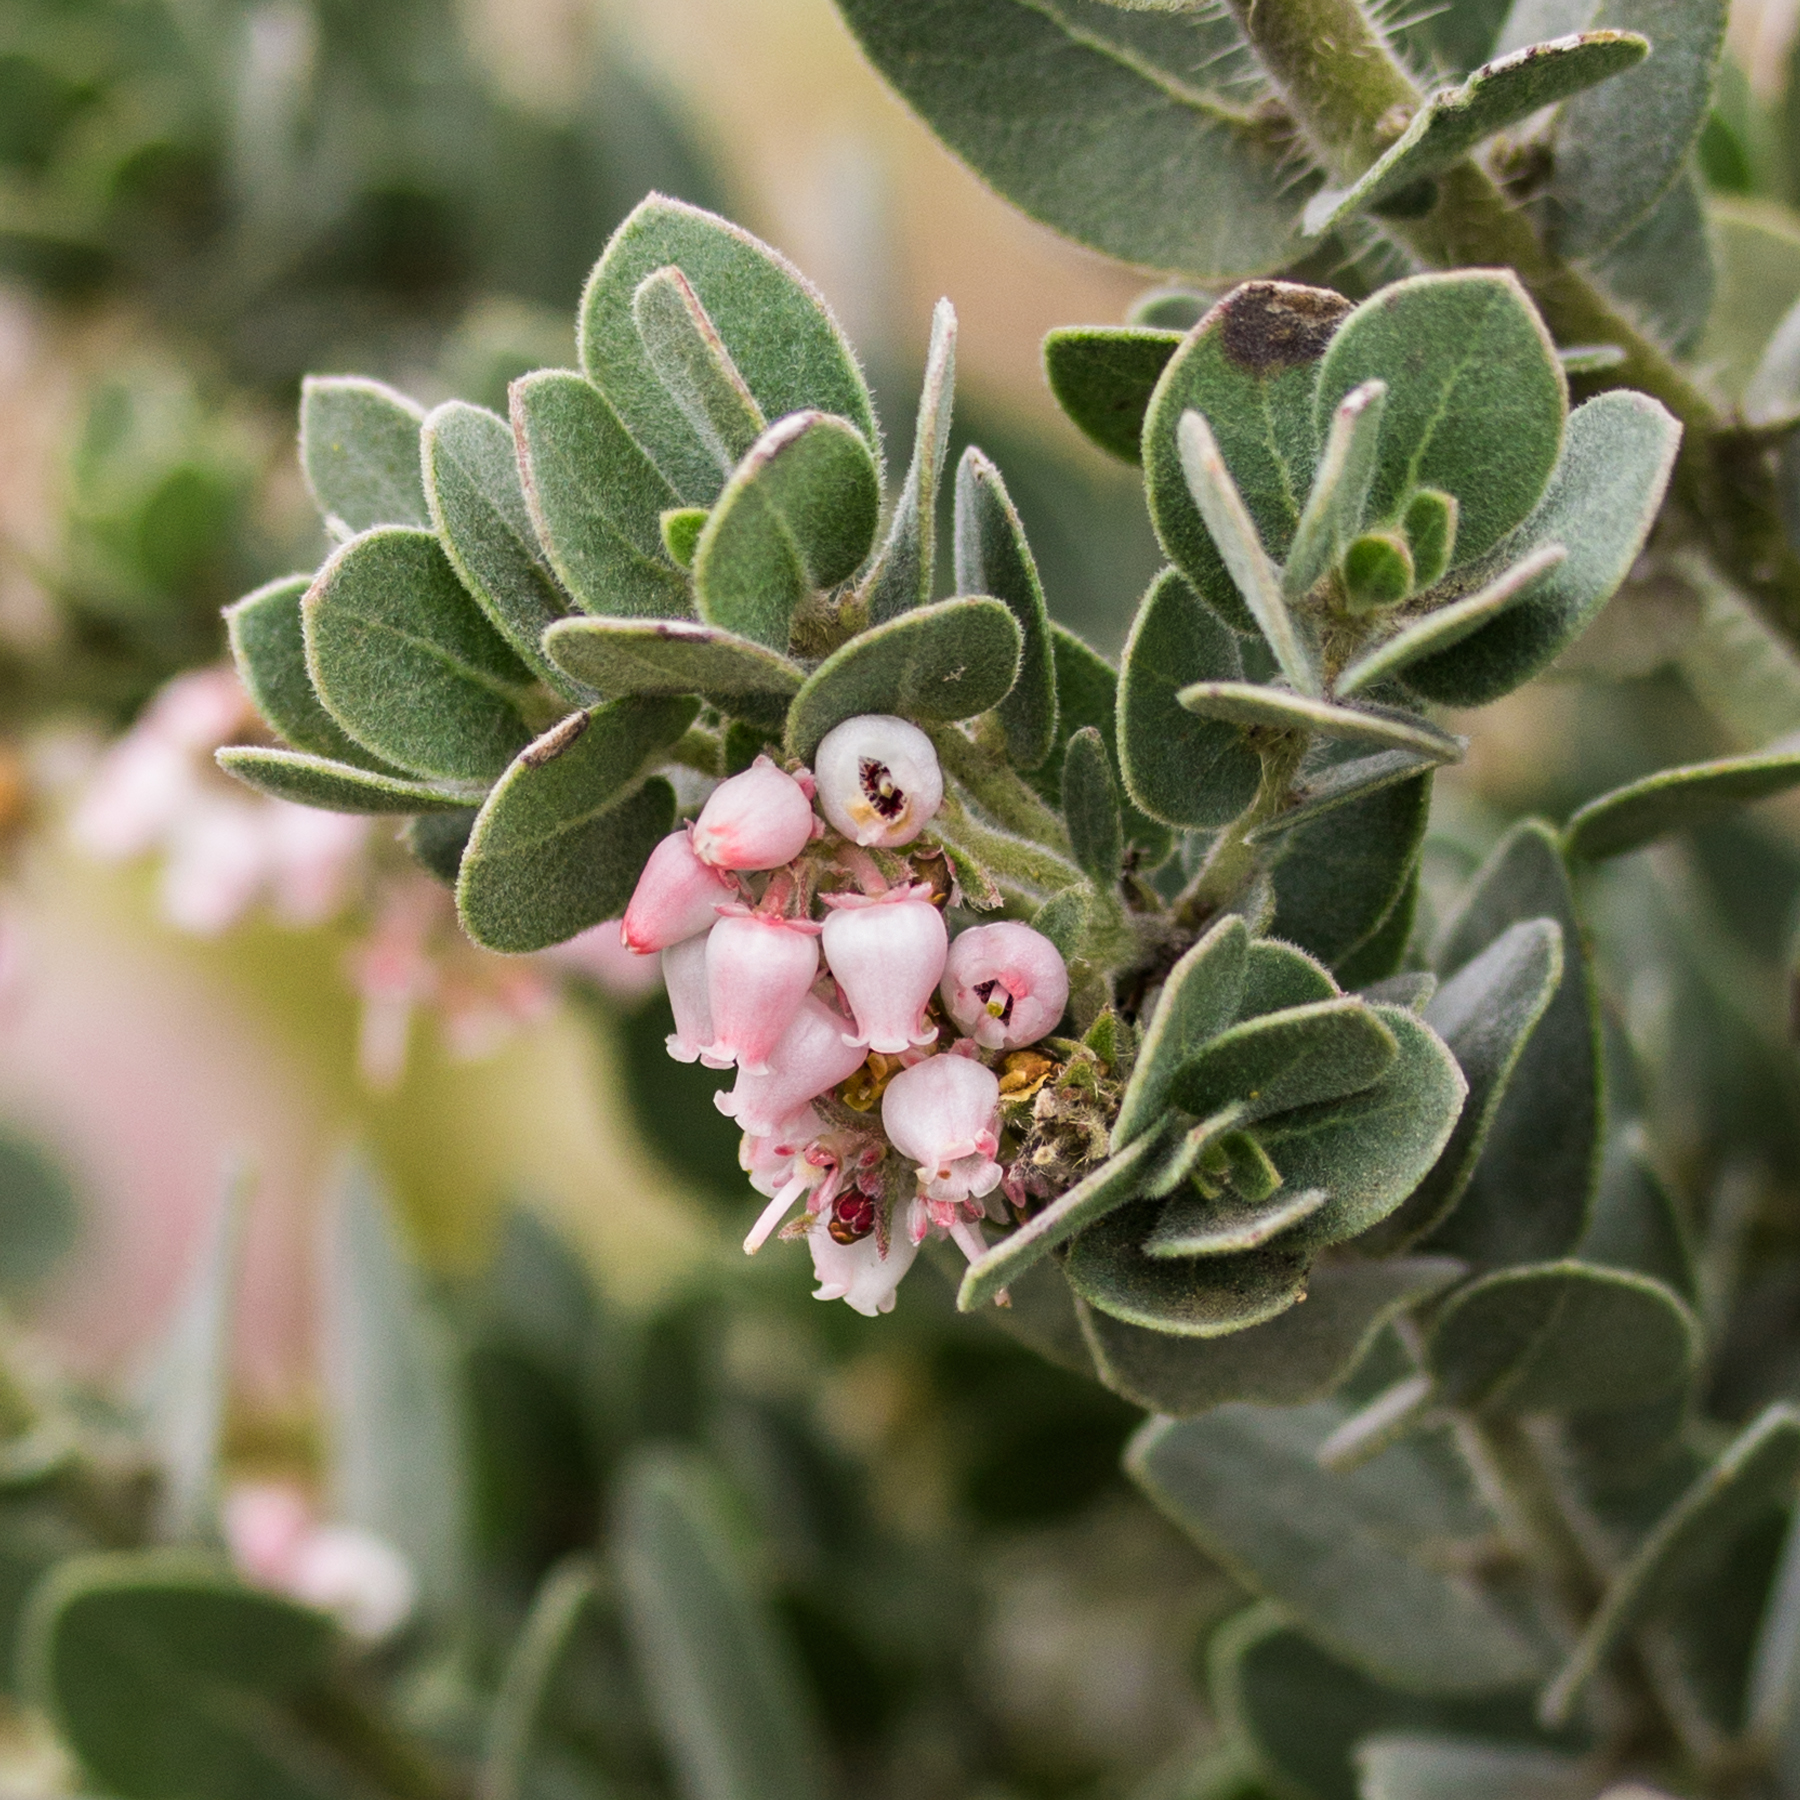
1091,807
1396,1767
1194,1225
1136,133
676,656
1103,377
1662,272
359,451
478,507
1673,799
906,568
1601,503
772,321
1340,783
685,350
1303,1055
992,557
333,786
1180,769
796,517
563,837
1341,1551
407,662
596,500
936,663
1277,709
1476,397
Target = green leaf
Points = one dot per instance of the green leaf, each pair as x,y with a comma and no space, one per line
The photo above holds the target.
1636,1221
1422,635
532,1671
268,644
992,557
359,451
165,1676
1193,1225
1282,1060
1091,807
1234,536
1486,1014
478,508
408,664
1103,376
1250,369
1107,1188
395,1426
1377,572
1186,1153
183,1397
1372,1149
796,517
1561,1337
1430,524
40,1217
595,499
1772,1703
1277,976
1674,799
1378,958
649,657
1528,1198
1338,783
1300,1356
565,834
436,841
771,320
1063,919
1247,703
1661,272
683,347
1454,120
1619,149
681,529
1440,1768
335,787
1304,1713
937,663
906,569
1342,876
1755,1475
1476,397
1179,769
1200,998
719,1678
1345,1552
1134,133
1601,503
1757,247
1772,396
1334,507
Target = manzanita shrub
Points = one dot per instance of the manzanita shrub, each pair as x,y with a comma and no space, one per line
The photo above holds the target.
1127,981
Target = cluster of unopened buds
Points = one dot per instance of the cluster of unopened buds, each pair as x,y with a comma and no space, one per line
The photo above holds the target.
811,953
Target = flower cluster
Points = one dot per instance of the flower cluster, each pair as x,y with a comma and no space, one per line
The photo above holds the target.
810,951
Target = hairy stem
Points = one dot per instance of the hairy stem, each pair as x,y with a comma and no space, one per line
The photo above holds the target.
1234,859
998,790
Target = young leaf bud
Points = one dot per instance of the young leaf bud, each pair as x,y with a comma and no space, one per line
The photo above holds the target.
1431,532
674,899
1378,571
944,1114
811,1058
758,969
757,820
879,780
887,953
1005,985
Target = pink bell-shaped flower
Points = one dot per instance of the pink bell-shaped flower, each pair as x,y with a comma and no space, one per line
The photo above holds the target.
1004,984
812,1057
757,820
759,967
674,899
879,780
887,952
684,975
856,1269
944,1114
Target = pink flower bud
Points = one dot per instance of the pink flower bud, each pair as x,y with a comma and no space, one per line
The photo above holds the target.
812,1057
674,898
879,780
757,820
1005,985
759,967
860,1272
684,975
887,953
944,1114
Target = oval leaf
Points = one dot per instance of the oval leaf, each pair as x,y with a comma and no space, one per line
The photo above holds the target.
1673,799
359,451
1103,377
332,786
671,656
906,570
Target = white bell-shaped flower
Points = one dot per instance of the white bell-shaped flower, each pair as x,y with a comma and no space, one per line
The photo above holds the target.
759,967
675,897
812,1057
944,1114
887,953
684,975
879,780
1004,984
860,1273
757,820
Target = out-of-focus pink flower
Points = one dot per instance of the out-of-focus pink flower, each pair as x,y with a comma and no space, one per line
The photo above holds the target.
483,1005
1004,984
264,1522
757,820
812,1057
684,975
314,858
943,1113
674,899
878,780
759,967
394,973
598,954
887,952
862,1273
